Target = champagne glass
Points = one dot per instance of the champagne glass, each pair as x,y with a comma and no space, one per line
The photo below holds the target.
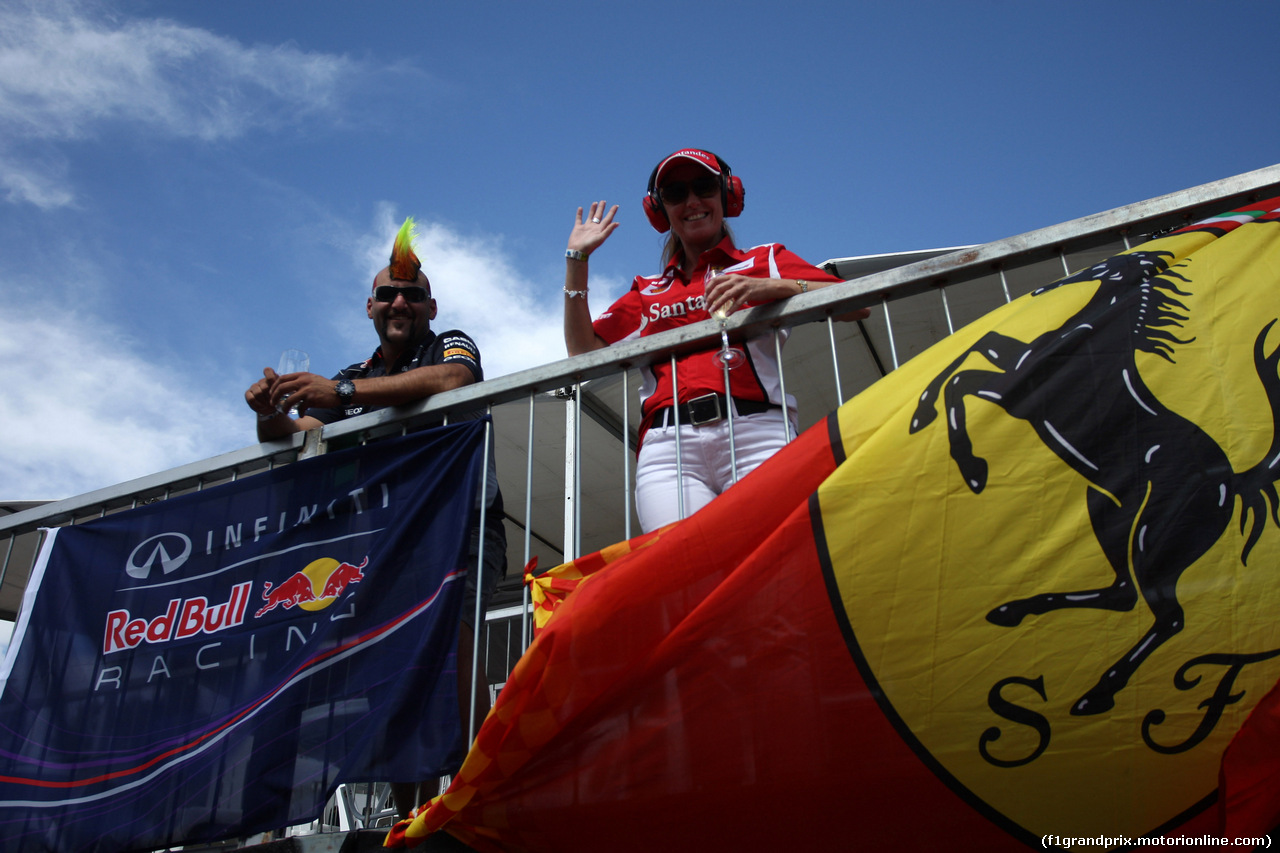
291,361
728,358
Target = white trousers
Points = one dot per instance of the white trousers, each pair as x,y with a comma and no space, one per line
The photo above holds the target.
704,464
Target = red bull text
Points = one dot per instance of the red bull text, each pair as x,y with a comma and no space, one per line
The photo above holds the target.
181,619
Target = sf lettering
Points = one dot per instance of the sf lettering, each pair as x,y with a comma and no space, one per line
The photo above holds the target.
1004,706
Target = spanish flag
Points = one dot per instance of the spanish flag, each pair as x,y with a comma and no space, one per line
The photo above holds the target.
1020,592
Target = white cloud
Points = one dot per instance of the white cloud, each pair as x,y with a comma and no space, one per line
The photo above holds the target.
94,410
40,183
61,71
64,73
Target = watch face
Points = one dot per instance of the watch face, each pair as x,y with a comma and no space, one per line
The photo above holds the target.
345,390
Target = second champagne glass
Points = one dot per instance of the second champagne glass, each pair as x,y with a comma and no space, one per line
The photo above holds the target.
728,357
292,361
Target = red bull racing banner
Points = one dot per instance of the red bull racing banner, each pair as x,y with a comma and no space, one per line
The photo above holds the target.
216,664
1020,593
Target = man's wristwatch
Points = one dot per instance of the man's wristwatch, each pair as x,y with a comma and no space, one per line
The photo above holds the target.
346,390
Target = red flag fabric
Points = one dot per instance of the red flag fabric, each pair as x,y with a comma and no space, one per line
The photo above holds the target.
550,589
1250,779
1018,593
641,716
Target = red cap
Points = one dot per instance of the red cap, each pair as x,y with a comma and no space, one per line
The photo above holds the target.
703,158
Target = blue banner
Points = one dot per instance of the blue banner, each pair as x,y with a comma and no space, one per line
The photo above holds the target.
216,664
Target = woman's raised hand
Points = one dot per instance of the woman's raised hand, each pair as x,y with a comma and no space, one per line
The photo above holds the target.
589,233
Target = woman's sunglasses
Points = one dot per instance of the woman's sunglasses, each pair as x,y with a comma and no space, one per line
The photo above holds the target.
412,294
677,191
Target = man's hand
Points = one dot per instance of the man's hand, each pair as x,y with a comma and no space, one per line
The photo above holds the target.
263,397
304,391
259,394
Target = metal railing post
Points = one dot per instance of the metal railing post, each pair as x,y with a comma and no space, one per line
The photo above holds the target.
946,310
675,414
8,553
477,622
528,531
570,479
835,363
733,450
626,456
888,327
782,386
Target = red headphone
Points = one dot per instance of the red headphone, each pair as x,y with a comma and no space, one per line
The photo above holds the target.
731,192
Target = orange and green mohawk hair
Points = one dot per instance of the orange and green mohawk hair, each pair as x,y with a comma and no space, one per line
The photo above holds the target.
404,263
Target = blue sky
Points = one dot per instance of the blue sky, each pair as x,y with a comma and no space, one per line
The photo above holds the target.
187,188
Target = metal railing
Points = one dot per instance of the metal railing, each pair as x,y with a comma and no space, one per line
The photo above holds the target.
564,433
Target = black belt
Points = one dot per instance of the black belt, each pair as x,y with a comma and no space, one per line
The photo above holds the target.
708,409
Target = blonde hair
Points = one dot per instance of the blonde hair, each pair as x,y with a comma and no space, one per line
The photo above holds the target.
672,246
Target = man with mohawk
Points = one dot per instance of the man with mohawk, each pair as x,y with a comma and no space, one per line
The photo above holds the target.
411,363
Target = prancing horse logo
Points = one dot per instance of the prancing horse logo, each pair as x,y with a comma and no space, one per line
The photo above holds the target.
1161,491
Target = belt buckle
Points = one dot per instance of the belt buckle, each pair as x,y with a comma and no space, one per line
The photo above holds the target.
704,409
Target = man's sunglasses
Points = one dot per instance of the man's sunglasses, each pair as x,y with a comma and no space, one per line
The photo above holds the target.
412,294
677,191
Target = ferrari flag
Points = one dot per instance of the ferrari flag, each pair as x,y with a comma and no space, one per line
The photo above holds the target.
216,664
1019,593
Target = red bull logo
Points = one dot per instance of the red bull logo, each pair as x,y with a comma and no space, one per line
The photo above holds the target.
313,588
183,618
